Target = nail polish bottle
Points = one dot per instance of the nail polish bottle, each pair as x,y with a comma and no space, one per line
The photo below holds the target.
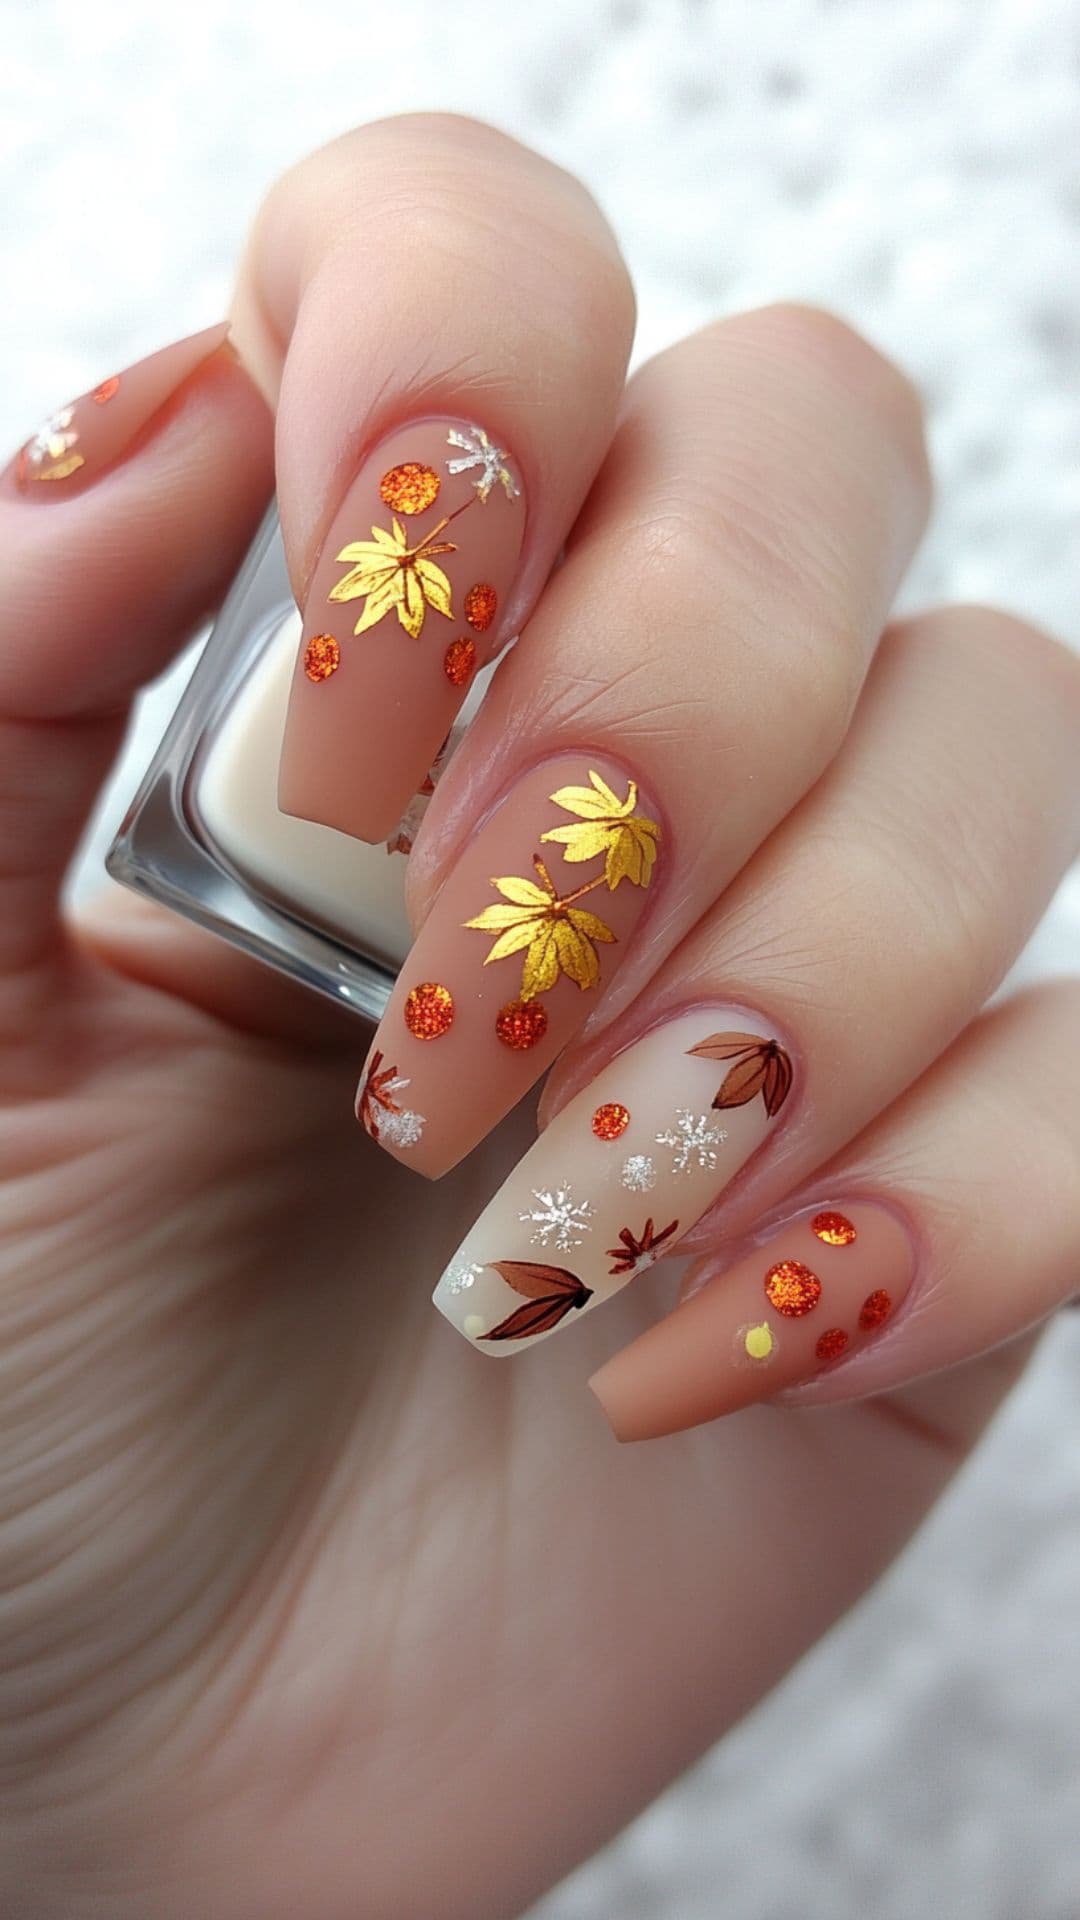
204,833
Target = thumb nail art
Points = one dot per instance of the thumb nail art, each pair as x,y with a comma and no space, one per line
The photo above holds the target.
81,440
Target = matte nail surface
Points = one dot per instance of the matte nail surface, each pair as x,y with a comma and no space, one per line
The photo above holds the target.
815,1293
79,441
618,1177
405,604
532,921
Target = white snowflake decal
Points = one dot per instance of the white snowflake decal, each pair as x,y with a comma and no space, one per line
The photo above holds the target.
557,1218
52,439
403,1129
480,452
462,1274
694,1140
638,1173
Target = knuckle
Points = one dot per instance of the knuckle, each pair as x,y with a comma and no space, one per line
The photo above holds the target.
412,174
832,349
771,614
500,233
1004,638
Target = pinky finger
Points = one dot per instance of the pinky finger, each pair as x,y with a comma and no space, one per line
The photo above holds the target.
951,1225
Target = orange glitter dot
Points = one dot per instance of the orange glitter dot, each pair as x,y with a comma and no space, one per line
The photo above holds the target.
322,657
834,1228
480,604
792,1289
875,1310
410,488
832,1344
103,394
429,1011
521,1024
459,661
610,1120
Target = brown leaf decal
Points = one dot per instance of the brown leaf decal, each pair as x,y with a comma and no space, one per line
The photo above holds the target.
778,1078
757,1066
635,1252
552,1293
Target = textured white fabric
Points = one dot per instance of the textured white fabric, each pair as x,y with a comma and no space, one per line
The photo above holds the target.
914,165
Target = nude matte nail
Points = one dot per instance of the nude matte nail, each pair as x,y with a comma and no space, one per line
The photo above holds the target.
529,926
816,1293
79,441
617,1179
405,604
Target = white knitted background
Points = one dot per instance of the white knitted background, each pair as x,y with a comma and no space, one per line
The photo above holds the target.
916,164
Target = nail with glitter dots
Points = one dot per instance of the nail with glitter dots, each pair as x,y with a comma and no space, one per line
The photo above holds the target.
813,1296
80,441
617,1179
404,607
524,935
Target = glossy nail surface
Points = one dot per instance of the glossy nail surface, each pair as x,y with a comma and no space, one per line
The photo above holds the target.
404,606
79,441
618,1177
813,1295
532,921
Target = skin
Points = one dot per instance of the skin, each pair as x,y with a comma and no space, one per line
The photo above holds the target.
285,1570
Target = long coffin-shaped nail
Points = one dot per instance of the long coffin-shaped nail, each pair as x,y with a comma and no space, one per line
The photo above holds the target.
619,1176
529,926
814,1294
404,605
79,441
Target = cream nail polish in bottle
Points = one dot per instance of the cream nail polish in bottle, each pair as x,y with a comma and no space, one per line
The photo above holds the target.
204,833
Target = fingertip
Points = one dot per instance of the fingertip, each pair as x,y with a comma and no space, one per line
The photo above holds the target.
615,1406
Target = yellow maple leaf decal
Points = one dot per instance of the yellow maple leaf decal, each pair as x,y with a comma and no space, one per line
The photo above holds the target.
609,826
557,936
395,577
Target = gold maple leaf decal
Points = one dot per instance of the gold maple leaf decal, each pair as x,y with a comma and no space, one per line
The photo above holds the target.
558,936
394,576
608,826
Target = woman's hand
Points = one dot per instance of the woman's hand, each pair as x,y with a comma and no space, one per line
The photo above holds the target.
305,1608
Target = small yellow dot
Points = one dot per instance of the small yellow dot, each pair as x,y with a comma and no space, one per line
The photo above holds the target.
475,1325
758,1342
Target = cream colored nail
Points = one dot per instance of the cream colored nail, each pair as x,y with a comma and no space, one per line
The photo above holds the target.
620,1175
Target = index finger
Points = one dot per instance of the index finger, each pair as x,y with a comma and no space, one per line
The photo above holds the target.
458,321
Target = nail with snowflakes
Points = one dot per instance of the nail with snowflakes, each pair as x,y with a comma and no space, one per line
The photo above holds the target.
620,1175
406,603
81,440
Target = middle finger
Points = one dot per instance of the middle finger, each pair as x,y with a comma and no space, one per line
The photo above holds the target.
690,672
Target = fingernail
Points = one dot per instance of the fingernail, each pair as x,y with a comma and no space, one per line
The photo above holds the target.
79,441
812,1296
405,604
531,924
616,1180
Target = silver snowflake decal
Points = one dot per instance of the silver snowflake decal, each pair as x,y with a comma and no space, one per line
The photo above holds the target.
557,1219
694,1140
638,1173
404,1129
489,460
52,438
461,1275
